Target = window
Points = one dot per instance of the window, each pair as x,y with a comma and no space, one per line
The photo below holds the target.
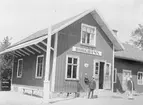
72,64
88,35
140,78
115,75
108,69
96,67
39,66
19,68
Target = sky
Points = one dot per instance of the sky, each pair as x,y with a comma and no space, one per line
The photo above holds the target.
20,18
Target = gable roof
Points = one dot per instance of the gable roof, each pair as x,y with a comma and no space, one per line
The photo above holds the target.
130,53
57,27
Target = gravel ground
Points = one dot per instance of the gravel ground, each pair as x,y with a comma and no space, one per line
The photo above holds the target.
114,100
14,98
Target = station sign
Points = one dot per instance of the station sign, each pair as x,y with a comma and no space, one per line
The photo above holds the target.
87,51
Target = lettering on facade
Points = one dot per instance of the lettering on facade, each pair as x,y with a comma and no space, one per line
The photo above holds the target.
86,51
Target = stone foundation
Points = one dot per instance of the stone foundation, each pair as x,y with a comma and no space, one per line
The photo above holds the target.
30,90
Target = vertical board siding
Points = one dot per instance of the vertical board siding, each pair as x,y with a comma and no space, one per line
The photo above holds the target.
121,64
70,36
28,73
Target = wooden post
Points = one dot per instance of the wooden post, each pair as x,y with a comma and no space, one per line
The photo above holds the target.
46,89
54,63
12,71
113,59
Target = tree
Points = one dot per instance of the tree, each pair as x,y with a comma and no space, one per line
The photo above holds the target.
137,37
5,59
5,43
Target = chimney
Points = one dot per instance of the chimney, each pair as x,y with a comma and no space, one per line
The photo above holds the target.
115,32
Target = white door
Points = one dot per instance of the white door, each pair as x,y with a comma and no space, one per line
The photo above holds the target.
126,74
107,76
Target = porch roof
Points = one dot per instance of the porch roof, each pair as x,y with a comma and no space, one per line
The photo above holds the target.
24,44
40,35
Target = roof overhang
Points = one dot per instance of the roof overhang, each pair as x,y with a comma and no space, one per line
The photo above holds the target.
127,58
35,41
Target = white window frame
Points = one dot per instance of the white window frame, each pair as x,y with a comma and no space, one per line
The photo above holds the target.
115,74
39,77
94,67
138,81
19,76
77,76
90,36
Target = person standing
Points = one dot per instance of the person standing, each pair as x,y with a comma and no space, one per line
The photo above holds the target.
92,86
130,87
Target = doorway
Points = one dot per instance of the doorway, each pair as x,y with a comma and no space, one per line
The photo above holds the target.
101,75
126,74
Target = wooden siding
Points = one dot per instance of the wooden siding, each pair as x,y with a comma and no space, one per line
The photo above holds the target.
121,64
70,36
28,73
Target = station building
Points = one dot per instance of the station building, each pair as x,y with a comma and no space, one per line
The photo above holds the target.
63,54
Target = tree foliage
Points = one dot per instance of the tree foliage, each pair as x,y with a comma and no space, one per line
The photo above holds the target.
5,59
137,37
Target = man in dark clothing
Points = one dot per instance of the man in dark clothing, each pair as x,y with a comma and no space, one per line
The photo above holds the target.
92,86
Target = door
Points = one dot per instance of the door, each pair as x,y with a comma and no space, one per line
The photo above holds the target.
101,75
126,74
107,76
96,67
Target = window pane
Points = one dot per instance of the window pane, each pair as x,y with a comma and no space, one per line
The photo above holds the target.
92,40
83,28
40,59
40,72
107,69
88,30
88,38
75,61
138,75
84,34
20,67
96,68
69,71
69,60
92,30
40,66
74,71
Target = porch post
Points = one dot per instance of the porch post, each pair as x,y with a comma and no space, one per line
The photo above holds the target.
113,59
54,63
12,71
46,89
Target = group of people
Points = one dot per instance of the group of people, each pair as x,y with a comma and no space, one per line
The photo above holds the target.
92,86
